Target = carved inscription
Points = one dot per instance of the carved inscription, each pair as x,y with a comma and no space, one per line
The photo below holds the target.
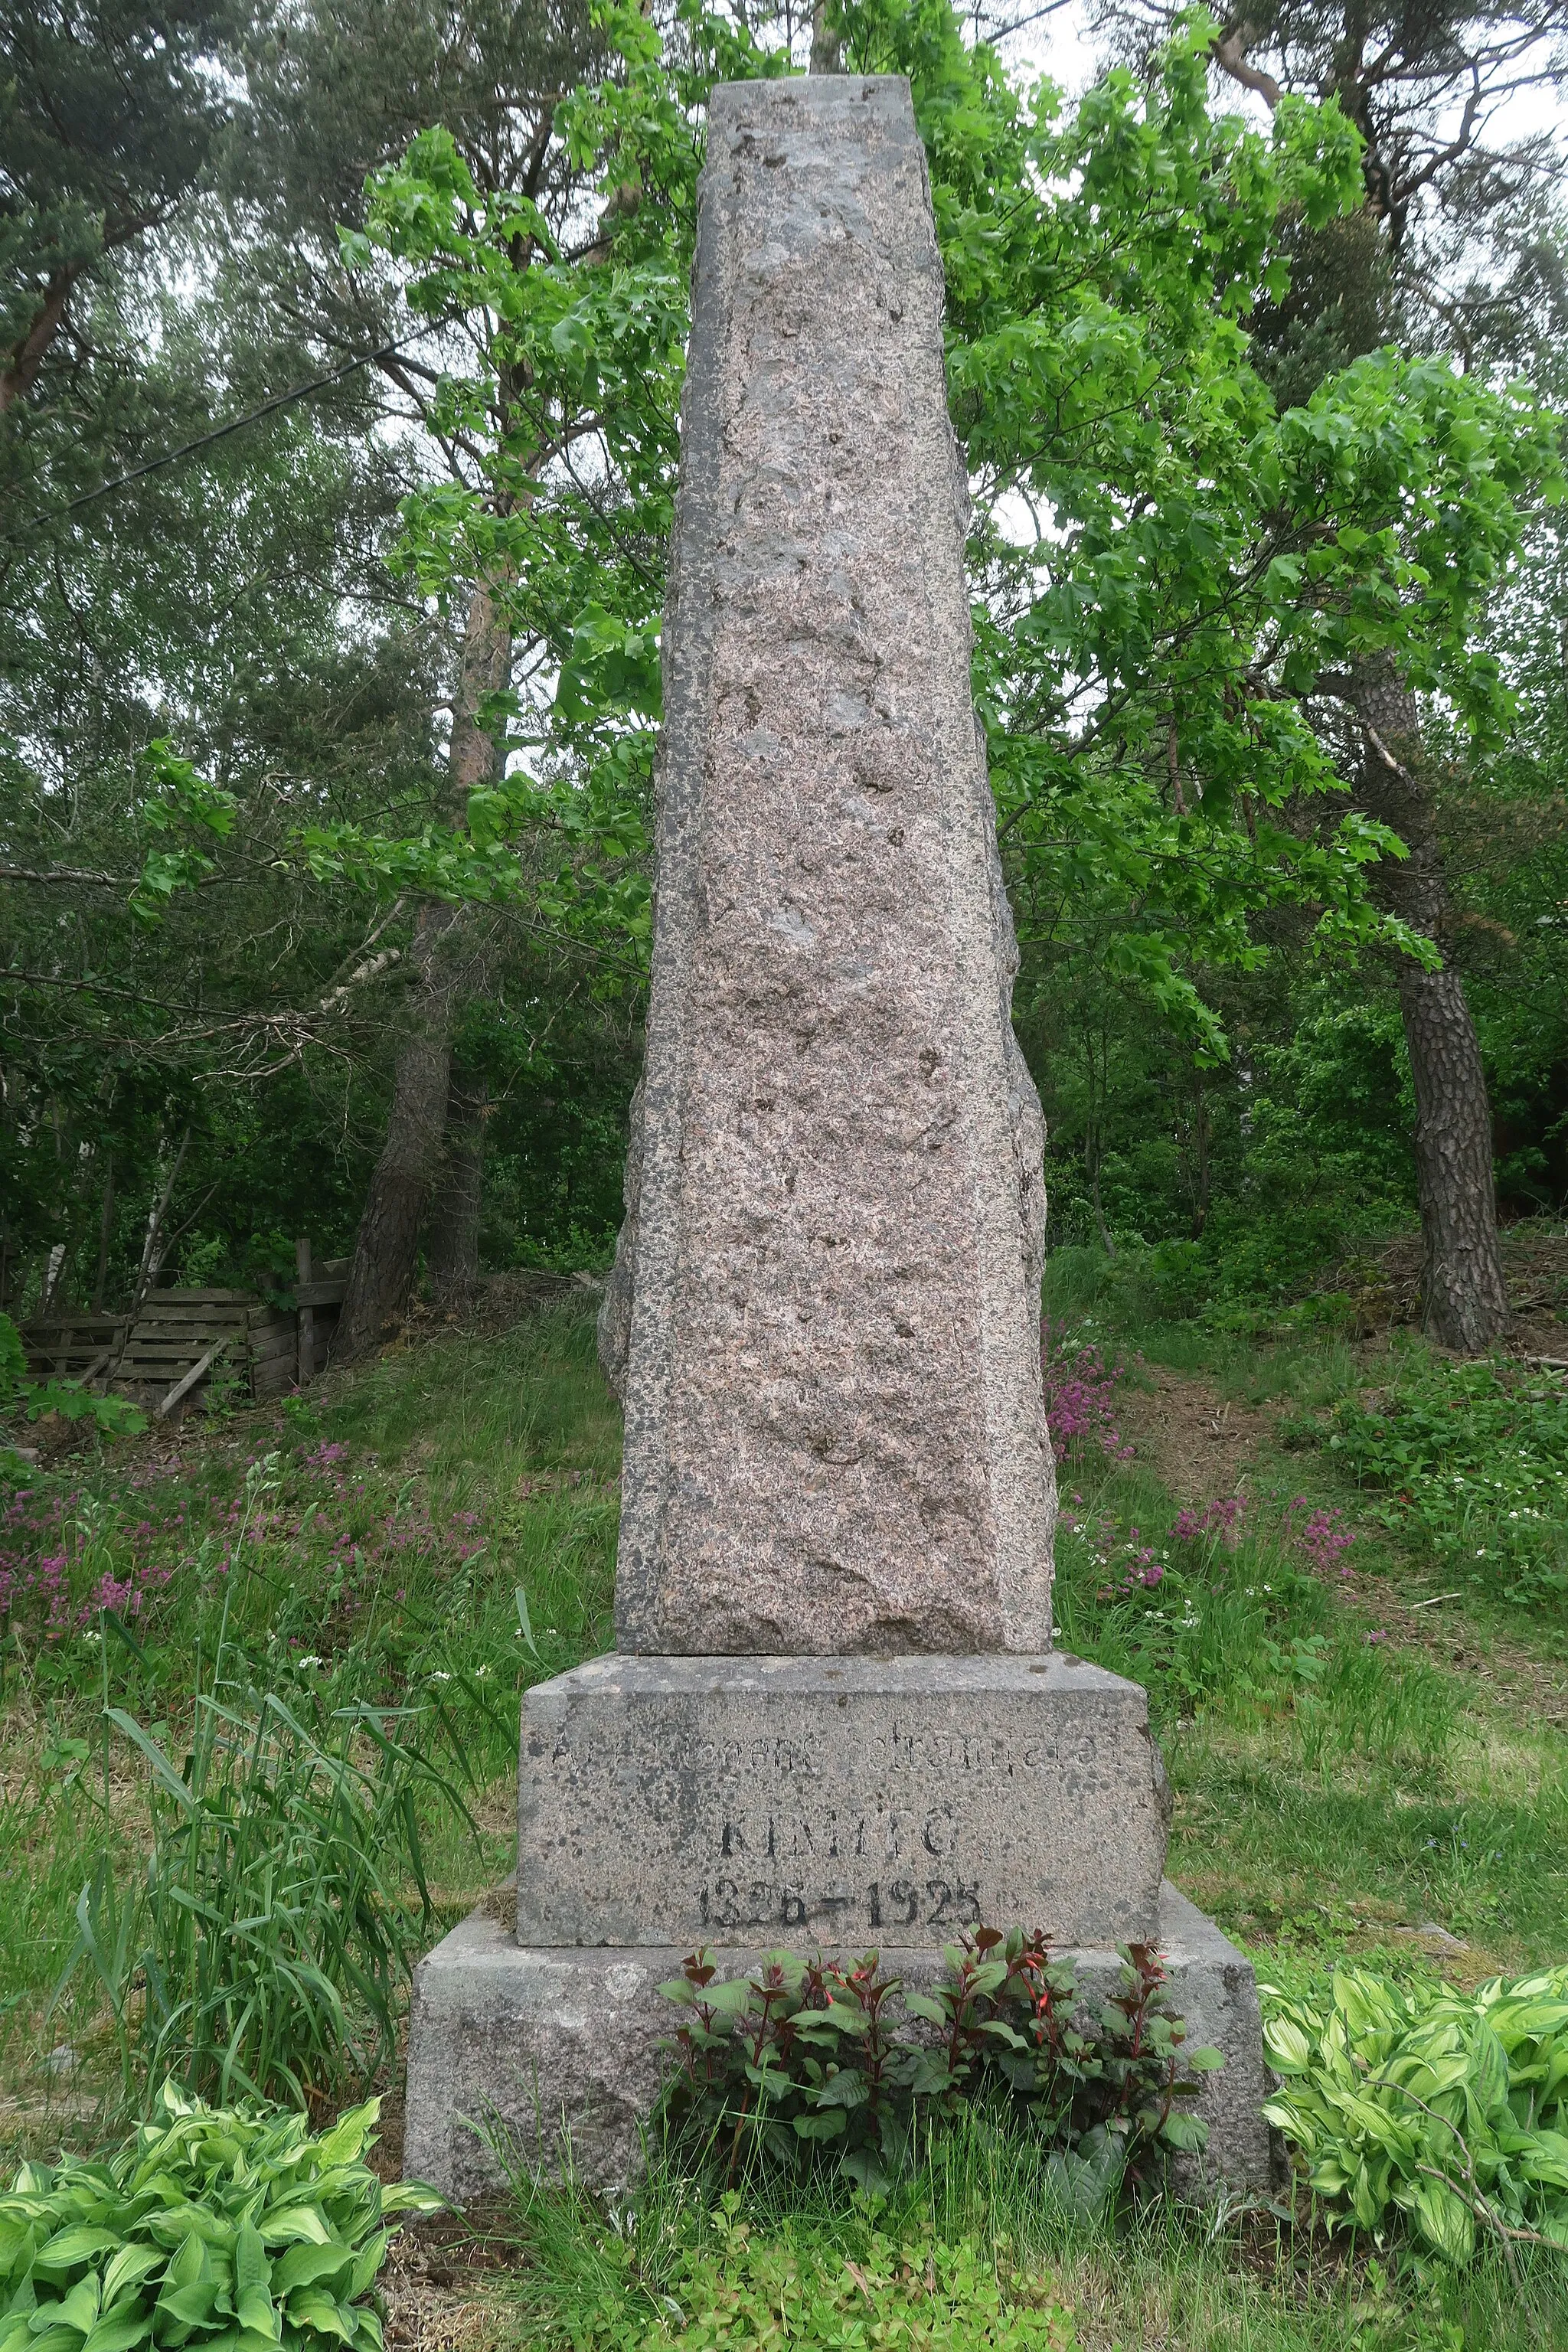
898,1902
780,1757
983,1754
887,1835
906,1827
776,1871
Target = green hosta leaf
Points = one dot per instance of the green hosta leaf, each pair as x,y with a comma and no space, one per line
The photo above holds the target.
1394,2081
304,2266
70,2247
1286,2116
190,2209
188,2263
1445,2220
252,2273
189,2306
412,2197
368,2262
1289,2052
345,2142
120,2331
80,2308
301,2225
130,2266
311,2308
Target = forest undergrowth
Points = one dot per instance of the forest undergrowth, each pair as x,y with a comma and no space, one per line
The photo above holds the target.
1365,1738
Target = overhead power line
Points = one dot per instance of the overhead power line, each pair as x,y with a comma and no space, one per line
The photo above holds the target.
203,441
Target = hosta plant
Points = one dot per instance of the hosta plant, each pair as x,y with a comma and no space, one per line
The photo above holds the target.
1448,2110
212,2227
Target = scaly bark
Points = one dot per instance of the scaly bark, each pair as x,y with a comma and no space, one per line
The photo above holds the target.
1464,1299
21,371
386,1246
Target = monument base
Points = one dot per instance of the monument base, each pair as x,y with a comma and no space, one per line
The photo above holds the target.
556,2044
840,1801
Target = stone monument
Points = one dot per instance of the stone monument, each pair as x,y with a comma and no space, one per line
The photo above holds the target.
833,1718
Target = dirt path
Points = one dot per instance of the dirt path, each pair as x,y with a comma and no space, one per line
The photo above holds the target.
1198,1444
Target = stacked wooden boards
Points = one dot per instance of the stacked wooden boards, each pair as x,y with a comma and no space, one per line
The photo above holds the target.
182,1339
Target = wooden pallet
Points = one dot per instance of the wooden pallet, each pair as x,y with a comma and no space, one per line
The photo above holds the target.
182,1337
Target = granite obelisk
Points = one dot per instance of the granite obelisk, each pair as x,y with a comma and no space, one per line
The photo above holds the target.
834,1717
829,1280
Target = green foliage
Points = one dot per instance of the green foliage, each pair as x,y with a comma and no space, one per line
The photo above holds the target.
1219,1612
1447,2111
1473,1458
264,1945
211,2226
807,2059
105,126
1166,561
1207,559
371,1589
113,1416
748,2288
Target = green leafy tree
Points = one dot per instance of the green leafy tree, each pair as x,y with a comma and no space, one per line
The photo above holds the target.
107,112
1421,88
1214,570
1170,572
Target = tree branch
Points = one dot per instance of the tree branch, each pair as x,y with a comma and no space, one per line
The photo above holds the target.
66,874
1230,54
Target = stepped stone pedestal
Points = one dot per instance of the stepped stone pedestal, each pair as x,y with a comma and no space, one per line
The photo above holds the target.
833,1719
545,2040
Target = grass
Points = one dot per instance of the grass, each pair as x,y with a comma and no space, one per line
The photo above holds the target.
680,2265
1359,1784
1350,1768
395,1515
1335,1793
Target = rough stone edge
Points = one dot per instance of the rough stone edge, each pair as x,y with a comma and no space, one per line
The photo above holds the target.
559,2048
781,1677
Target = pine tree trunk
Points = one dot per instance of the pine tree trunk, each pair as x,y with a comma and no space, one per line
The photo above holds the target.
1464,1299
826,40
386,1246
454,1242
